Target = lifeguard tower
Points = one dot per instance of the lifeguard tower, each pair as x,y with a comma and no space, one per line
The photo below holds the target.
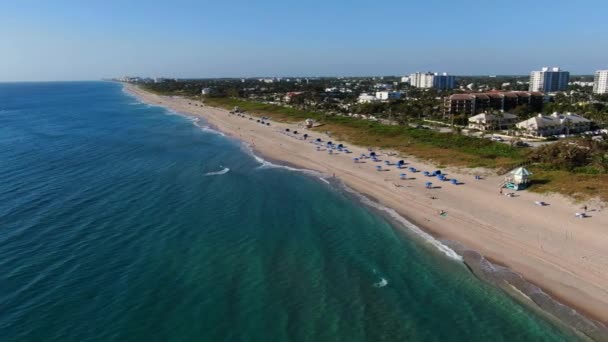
309,123
517,179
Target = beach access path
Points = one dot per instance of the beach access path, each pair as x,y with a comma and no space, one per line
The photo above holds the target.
565,255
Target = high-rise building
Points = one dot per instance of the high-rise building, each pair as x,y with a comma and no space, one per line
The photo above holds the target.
421,80
600,82
432,80
444,81
549,80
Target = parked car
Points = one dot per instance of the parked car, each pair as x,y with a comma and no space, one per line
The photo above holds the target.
496,138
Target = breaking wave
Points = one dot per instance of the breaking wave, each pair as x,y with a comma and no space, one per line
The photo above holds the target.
216,173
409,225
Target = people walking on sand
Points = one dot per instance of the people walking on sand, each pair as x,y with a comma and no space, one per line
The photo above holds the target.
585,208
501,191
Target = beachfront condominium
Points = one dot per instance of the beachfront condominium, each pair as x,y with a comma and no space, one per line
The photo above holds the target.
432,80
549,80
600,82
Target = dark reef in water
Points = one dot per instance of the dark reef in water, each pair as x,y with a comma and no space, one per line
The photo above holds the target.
508,280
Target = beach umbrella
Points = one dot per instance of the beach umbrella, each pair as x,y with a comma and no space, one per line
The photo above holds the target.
426,173
437,172
401,162
331,151
428,185
413,169
363,155
454,181
286,129
373,154
356,160
319,140
305,136
402,176
340,145
387,162
379,167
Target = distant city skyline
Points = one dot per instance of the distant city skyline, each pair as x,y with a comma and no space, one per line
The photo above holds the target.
71,40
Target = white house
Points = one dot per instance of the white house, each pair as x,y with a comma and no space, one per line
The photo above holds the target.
206,91
388,95
554,124
367,98
486,121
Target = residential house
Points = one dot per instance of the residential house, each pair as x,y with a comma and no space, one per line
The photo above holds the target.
554,124
488,121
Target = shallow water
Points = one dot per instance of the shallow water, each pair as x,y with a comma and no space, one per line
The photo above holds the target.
119,222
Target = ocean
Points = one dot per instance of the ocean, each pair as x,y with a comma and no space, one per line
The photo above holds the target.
121,221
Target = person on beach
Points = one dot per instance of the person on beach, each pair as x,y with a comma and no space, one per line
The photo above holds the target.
501,191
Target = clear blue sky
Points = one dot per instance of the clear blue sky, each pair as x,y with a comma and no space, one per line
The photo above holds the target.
89,39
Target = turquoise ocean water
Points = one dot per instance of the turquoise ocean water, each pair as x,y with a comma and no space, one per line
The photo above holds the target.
121,221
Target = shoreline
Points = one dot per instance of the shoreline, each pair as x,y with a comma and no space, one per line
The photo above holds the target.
491,234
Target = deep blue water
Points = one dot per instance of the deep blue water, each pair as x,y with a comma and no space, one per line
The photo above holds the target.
111,231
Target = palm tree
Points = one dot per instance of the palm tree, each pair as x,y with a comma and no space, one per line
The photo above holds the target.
601,162
498,115
567,124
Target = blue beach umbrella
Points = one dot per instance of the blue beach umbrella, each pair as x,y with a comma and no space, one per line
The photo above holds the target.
454,181
387,162
428,185
401,162
402,176
426,173
379,167
356,160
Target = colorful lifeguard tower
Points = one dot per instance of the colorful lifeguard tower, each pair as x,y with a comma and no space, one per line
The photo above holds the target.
517,179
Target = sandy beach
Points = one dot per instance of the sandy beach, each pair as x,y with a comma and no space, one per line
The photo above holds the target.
548,245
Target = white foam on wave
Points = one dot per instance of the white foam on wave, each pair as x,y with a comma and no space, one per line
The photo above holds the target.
265,164
217,173
382,283
409,225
